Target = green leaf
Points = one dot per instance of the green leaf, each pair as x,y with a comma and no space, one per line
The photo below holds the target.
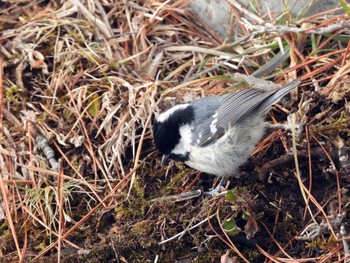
345,6
313,41
94,105
245,215
231,227
230,196
272,64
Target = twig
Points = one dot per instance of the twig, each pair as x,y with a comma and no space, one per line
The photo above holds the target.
287,158
268,28
186,230
179,197
246,12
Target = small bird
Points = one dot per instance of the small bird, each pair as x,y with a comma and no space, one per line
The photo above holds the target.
216,134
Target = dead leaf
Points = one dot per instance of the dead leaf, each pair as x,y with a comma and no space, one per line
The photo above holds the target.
250,228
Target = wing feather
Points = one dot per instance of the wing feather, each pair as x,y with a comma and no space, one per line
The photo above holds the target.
238,105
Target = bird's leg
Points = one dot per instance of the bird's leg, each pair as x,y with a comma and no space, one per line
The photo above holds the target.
217,190
289,127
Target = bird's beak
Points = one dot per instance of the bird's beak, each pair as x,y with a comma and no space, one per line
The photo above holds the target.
165,159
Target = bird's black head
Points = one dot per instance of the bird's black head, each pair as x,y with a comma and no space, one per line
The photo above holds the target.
166,128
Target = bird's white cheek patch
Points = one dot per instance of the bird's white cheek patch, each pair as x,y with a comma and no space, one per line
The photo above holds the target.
184,144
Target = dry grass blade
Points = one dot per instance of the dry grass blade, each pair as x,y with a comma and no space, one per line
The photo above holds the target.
1,94
61,222
297,171
86,217
4,195
45,226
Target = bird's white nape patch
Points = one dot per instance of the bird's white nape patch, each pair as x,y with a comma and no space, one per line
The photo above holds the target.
184,145
166,114
213,128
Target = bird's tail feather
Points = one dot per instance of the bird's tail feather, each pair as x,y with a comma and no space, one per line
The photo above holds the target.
276,96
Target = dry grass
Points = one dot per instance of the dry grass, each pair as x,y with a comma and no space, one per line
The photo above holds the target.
80,83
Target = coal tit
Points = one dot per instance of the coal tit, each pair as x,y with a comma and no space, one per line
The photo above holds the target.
216,134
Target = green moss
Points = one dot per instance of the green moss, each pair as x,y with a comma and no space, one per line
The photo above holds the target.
13,94
142,232
176,178
133,208
326,245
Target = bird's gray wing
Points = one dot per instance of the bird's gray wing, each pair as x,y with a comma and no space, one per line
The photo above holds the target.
234,107
238,105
